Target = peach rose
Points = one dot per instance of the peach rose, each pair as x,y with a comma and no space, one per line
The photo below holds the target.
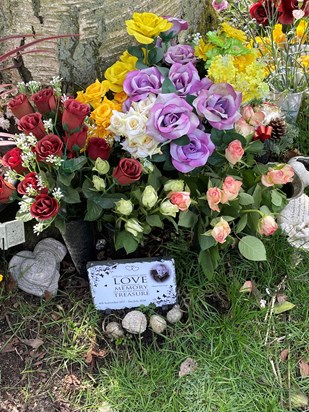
230,189
278,176
234,152
267,225
244,128
221,231
214,195
180,199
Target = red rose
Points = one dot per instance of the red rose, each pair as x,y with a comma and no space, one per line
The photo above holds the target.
287,7
127,171
44,207
51,144
78,138
98,147
13,160
20,106
264,10
44,100
6,190
32,123
30,179
74,114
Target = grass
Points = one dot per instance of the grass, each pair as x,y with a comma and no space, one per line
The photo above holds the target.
223,331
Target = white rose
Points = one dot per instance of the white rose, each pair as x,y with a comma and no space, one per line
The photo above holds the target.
117,123
143,106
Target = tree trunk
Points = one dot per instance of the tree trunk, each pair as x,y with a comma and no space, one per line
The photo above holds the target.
100,24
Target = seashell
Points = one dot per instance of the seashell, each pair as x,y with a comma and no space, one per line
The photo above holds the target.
157,323
135,322
174,315
114,330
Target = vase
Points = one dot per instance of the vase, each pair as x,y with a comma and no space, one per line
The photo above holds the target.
79,238
289,103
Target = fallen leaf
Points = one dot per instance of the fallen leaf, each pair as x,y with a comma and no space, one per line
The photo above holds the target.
283,307
10,347
33,343
55,316
299,400
246,287
284,355
71,380
47,295
187,367
303,368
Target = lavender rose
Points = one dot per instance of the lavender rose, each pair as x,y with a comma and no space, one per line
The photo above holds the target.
139,83
195,154
185,78
219,105
170,118
181,53
178,25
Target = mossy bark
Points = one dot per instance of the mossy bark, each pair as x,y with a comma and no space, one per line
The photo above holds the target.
100,25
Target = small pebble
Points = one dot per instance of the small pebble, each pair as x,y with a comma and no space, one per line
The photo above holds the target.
157,323
174,315
135,322
114,330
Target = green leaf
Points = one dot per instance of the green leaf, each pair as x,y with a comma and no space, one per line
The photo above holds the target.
206,241
257,196
154,220
154,178
140,65
136,51
208,261
242,223
168,87
163,70
70,195
59,223
283,307
125,240
245,199
182,141
276,198
155,55
65,178
23,216
252,248
190,98
94,211
108,200
187,219
72,165
255,147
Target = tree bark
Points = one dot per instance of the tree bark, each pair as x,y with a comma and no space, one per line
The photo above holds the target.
100,24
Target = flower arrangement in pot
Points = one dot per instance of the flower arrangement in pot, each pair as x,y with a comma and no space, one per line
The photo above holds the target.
158,144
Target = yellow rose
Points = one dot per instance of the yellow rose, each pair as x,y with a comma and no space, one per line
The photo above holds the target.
116,73
120,97
96,91
81,97
145,26
102,114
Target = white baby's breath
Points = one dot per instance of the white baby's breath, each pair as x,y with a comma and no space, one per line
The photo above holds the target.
39,227
48,125
55,160
58,195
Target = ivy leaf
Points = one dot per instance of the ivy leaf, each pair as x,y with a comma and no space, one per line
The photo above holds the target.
252,248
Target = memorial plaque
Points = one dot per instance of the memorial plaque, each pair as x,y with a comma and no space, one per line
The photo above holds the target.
129,283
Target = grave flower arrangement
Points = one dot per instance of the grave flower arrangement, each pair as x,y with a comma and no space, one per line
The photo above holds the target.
156,146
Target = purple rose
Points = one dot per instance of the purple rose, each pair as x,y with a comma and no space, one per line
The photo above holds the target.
178,25
181,53
219,105
205,83
170,118
185,78
194,154
220,5
139,83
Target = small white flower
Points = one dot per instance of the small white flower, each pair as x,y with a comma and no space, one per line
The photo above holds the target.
63,98
55,160
48,125
58,195
25,203
4,123
33,86
38,228
263,303
10,175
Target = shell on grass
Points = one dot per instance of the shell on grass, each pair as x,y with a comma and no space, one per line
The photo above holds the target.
157,323
174,315
113,330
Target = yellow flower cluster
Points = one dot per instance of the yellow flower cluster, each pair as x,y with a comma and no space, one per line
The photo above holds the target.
279,37
101,117
146,26
201,49
246,78
116,73
94,93
234,33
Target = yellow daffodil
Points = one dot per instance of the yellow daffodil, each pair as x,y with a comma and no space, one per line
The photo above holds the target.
145,26
232,32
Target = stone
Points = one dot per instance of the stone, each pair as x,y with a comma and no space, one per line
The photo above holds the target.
135,322
174,315
52,245
114,330
157,323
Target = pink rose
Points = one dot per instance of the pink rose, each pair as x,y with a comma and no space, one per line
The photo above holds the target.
279,176
180,199
230,189
267,225
214,196
221,231
234,152
244,128
252,117
220,5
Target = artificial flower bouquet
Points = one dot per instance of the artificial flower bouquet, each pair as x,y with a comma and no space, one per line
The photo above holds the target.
158,145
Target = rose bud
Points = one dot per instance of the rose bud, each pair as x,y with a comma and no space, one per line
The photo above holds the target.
214,196
20,106
76,139
32,123
50,145
221,231
44,100
124,207
6,190
230,189
133,226
98,183
220,5
234,152
168,209
44,207
101,166
149,197
180,199
174,186
98,147
127,171
13,160
74,114
267,225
